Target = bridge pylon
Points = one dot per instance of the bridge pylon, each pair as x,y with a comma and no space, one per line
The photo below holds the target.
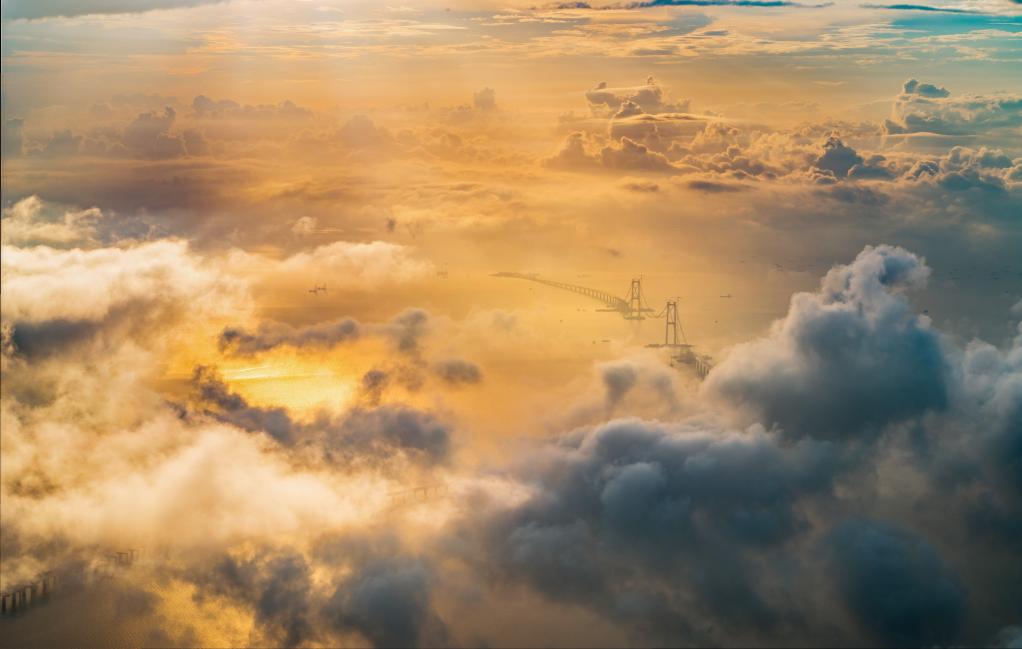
636,301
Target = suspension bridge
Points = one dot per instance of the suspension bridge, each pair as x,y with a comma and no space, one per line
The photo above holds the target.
635,307
18,597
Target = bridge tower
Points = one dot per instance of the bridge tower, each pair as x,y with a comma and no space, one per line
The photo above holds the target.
635,307
671,325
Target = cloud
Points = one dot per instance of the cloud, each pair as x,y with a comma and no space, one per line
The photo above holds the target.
650,98
215,398
916,7
485,99
926,108
404,330
711,187
379,432
361,436
618,379
32,222
271,335
963,168
573,154
706,526
896,584
204,107
624,517
838,158
619,155
147,135
632,156
847,359
357,264
360,132
388,602
45,284
373,590
458,372
36,9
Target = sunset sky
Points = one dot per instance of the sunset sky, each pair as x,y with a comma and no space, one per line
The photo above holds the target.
251,325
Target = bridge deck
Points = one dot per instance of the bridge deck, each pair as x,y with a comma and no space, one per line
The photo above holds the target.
612,301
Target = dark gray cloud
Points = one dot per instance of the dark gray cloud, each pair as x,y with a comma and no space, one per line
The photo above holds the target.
388,602
712,187
405,331
270,335
618,380
846,359
642,521
838,158
34,9
373,588
277,587
855,194
215,398
845,162
377,432
361,436
913,87
913,7
896,584
458,372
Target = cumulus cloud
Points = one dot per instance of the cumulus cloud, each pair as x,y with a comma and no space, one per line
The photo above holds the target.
926,108
366,264
850,357
632,156
573,154
963,168
622,510
32,222
147,135
649,98
132,285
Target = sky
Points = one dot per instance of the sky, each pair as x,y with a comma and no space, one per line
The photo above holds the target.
269,319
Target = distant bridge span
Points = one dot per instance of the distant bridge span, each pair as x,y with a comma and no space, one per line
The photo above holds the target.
631,310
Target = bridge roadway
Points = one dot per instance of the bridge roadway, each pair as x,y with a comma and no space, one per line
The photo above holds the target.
613,302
